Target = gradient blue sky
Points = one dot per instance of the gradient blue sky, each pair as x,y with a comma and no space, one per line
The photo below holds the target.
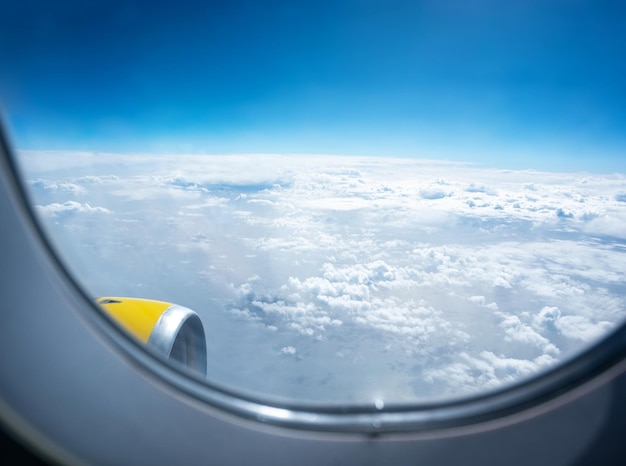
512,84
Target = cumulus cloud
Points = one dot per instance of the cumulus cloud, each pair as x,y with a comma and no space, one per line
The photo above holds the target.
485,371
516,330
613,224
70,207
582,328
433,194
47,185
478,188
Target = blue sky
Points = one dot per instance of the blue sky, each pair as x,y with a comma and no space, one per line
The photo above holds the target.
532,84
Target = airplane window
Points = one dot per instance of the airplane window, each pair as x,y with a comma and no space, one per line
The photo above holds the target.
346,206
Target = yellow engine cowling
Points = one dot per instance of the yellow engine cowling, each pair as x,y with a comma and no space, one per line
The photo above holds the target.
174,331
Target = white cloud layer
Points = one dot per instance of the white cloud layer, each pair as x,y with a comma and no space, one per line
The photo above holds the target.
344,279
70,207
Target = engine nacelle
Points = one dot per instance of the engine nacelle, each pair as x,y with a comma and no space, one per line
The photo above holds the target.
174,331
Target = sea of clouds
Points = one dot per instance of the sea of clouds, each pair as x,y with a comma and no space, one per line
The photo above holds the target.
348,279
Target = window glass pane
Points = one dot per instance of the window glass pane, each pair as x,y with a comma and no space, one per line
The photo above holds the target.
361,204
